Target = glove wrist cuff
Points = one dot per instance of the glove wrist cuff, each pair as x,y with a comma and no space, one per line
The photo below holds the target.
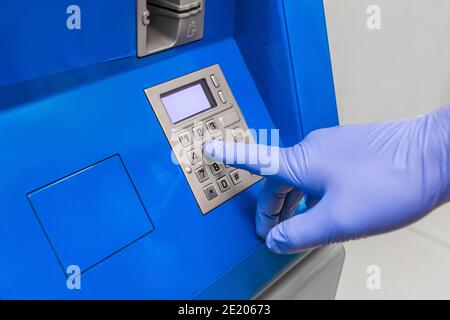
437,146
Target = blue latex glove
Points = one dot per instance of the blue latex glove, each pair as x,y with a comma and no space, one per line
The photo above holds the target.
370,179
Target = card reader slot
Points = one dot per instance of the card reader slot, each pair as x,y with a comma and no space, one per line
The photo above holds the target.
155,9
193,10
177,5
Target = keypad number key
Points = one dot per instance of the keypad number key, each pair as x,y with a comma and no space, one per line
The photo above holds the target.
202,174
216,168
236,176
224,184
185,138
210,192
199,132
195,156
212,126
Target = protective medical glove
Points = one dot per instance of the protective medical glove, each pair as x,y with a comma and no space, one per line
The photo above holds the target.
370,179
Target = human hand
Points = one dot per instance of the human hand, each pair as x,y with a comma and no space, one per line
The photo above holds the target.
370,179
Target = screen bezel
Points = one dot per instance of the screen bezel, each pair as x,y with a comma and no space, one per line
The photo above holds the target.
209,96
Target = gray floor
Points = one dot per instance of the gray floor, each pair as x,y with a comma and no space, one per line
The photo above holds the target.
414,262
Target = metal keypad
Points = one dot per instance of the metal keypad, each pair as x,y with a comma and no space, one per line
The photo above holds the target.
212,183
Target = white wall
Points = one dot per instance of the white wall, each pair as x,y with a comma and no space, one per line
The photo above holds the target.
399,71
402,70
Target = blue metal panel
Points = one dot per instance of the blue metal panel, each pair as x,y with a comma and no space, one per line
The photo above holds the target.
83,214
285,46
311,63
261,34
63,133
35,41
62,123
247,277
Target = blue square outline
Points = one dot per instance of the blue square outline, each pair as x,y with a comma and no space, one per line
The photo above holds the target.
61,264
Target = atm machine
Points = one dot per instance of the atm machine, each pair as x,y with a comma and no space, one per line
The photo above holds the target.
95,97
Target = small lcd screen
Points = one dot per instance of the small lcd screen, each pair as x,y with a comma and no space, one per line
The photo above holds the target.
188,101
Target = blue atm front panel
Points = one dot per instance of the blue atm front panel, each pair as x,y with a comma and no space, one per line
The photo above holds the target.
87,178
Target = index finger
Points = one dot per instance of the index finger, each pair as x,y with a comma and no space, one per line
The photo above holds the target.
259,159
